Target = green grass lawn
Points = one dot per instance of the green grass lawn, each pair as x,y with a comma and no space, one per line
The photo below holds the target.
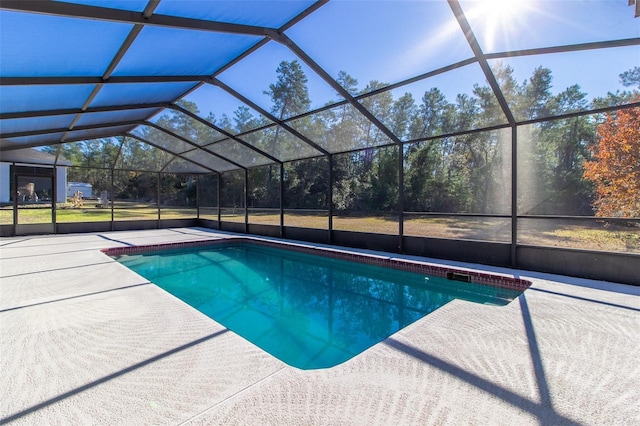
91,213
597,235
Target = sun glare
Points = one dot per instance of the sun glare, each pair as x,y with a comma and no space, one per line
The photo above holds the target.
501,9
498,18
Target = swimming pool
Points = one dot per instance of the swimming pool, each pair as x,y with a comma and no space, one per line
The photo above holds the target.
310,308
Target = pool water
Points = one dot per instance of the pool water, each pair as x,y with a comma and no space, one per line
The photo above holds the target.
309,311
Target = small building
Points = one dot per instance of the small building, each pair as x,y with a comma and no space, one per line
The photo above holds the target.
15,161
86,189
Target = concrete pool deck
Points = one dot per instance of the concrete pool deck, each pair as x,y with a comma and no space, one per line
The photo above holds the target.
84,340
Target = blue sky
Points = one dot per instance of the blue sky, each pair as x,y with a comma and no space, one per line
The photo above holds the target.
390,41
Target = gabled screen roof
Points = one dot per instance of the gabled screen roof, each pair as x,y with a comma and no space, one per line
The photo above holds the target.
228,85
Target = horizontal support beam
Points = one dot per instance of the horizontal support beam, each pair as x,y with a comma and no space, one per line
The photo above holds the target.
286,41
31,81
193,144
54,112
224,132
566,48
270,116
129,17
170,153
66,129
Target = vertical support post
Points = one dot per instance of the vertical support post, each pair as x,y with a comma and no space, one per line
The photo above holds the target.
218,199
54,198
281,200
54,192
14,178
158,194
113,179
198,197
330,198
514,195
246,200
111,199
400,198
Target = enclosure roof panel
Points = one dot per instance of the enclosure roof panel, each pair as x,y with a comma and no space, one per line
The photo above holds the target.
117,94
180,165
223,110
282,144
102,132
171,51
264,87
161,138
32,140
29,98
34,45
21,125
238,153
187,127
30,155
227,85
261,13
209,160
137,155
107,117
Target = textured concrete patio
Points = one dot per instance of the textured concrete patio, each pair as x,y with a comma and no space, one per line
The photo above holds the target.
84,340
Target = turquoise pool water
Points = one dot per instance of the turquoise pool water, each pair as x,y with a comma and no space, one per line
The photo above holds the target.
309,311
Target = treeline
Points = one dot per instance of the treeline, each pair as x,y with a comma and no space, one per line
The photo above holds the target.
446,168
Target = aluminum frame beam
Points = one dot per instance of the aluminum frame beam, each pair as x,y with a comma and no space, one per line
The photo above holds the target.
224,132
69,111
129,17
270,116
286,41
193,144
66,129
169,152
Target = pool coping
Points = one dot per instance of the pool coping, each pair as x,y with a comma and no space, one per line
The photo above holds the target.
448,272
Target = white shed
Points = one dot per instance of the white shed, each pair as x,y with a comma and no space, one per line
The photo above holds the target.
86,189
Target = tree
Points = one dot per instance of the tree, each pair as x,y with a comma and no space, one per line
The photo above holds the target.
264,186
306,184
384,180
615,165
289,94
380,106
349,83
430,118
290,97
402,112
244,120
631,78
536,95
